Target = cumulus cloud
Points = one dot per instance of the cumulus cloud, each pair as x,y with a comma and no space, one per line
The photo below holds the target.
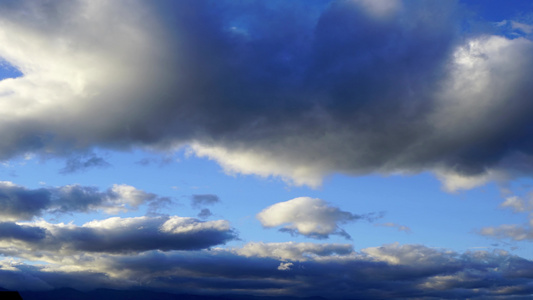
307,216
20,203
354,87
389,271
113,235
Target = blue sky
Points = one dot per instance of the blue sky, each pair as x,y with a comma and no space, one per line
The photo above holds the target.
343,149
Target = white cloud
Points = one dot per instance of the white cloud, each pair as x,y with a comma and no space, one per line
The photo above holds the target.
526,28
307,216
258,162
517,204
295,251
397,254
285,266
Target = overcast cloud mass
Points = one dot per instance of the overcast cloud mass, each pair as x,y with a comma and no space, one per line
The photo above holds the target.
238,85
299,91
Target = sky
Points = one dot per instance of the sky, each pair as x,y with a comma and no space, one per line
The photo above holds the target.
347,149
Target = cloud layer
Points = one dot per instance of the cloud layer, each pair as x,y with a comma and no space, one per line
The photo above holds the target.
332,271
113,235
348,86
20,203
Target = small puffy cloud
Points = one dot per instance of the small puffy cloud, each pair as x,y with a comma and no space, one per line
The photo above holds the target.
113,235
517,204
307,216
198,201
285,266
204,213
20,203
517,232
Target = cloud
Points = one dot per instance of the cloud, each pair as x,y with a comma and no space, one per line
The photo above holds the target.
294,251
113,235
516,232
204,213
17,202
397,226
77,164
389,271
311,217
517,204
20,203
198,201
285,266
352,87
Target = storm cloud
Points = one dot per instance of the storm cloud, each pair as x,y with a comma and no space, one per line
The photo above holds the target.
271,88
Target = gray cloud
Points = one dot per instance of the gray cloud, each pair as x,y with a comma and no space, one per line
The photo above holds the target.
113,235
390,271
20,203
347,87
13,231
17,202
82,163
204,213
198,201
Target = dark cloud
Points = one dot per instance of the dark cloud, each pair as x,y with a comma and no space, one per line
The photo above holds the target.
9,230
115,235
20,203
81,163
205,213
198,201
388,272
296,89
17,202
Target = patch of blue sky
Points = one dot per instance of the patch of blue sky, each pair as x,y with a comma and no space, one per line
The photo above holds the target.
435,218
7,70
